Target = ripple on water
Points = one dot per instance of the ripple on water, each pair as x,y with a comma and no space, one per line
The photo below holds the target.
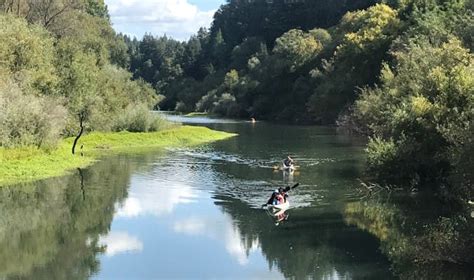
196,168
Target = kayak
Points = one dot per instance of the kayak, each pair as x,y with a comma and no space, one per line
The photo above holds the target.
289,168
278,207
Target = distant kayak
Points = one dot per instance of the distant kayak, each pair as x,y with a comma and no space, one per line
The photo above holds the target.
289,168
285,168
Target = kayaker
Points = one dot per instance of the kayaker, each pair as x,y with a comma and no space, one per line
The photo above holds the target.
278,197
272,200
282,194
288,161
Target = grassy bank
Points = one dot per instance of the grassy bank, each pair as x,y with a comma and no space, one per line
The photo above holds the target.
29,164
199,114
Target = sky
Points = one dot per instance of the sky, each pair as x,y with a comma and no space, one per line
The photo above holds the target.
176,18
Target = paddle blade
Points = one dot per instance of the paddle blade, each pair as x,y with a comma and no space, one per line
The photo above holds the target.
290,188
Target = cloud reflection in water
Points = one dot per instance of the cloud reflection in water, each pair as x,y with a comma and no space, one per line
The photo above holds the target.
222,229
152,198
120,242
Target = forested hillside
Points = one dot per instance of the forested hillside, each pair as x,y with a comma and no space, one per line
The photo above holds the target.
61,74
255,60
304,61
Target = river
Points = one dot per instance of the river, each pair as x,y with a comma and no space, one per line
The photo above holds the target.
196,213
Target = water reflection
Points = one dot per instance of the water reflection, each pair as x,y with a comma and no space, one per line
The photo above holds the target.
119,242
417,235
50,229
221,230
153,198
309,245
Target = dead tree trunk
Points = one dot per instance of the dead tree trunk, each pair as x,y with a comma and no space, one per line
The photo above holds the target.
81,124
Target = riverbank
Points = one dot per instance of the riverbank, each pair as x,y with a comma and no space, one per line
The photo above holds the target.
199,114
29,164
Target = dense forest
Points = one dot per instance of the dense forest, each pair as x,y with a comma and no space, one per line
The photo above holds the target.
61,74
303,61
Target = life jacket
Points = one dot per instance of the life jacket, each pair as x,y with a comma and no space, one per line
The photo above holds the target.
280,199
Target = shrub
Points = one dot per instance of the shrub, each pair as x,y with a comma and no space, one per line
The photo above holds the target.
27,119
138,118
225,105
426,115
206,102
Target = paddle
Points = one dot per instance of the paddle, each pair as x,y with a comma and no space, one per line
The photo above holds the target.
294,186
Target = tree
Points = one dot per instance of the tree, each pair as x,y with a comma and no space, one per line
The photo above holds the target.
363,39
80,87
295,48
27,55
418,121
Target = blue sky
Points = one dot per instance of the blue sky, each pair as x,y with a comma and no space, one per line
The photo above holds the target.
176,18
207,4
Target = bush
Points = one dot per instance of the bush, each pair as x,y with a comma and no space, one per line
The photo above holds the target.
27,119
385,160
427,116
206,102
138,118
225,105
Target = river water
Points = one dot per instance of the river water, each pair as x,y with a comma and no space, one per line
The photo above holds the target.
195,213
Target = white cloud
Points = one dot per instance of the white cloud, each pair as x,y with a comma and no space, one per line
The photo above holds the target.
176,18
120,242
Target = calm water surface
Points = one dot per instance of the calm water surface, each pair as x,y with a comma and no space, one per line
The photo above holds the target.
195,213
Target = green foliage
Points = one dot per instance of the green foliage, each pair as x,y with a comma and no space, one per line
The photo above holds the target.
139,119
206,102
225,105
249,48
426,115
28,120
26,54
71,64
97,8
362,41
231,79
321,35
382,157
240,38
367,30
295,48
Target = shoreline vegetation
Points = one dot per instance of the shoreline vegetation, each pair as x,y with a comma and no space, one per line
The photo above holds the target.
26,164
199,114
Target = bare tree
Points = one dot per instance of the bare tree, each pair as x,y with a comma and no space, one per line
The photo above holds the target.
45,12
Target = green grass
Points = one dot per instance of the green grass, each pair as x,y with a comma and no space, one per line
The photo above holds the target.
20,165
199,114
